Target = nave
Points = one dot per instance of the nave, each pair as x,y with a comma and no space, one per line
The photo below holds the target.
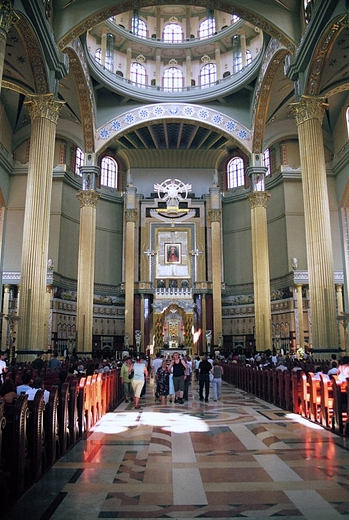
239,457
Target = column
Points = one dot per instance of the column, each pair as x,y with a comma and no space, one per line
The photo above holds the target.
131,217
204,321
158,67
7,18
309,112
88,199
142,324
5,310
188,68
158,22
218,61
187,23
103,48
216,250
340,311
261,278
48,316
44,112
243,49
128,62
300,339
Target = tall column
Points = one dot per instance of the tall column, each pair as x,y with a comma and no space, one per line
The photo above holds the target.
243,49
216,249
103,48
44,112
188,68
158,67
340,310
131,217
204,321
187,23
48,316
128,62
5,310
88,199
217,53
142,324
7,18
309,112
300,316
261,278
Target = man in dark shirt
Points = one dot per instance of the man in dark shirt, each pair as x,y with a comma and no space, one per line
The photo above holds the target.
38,363
205,368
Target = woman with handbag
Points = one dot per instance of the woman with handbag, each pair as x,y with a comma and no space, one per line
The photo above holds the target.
126,378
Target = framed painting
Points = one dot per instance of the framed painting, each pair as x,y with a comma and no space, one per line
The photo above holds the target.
172,253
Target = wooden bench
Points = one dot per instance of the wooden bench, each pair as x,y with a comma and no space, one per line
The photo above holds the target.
36,436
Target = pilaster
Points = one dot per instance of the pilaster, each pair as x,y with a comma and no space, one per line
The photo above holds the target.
215,215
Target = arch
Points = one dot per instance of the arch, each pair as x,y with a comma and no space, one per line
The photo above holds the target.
137,117
72,26
274,55
34,50
321,53
84,85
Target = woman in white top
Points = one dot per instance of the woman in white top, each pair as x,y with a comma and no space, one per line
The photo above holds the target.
140,373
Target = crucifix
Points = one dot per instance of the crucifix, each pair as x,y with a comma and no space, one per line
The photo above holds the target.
149,252
195,253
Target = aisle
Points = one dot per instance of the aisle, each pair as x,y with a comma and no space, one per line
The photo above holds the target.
239,457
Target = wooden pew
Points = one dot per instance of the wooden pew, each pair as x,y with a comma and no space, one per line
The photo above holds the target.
314,398
63,419
296,390
36,436
51,427
73,412
340,405
14,446
305,396
327,401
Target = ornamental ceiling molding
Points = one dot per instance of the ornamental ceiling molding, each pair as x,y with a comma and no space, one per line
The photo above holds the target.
79,66
275,53
137,117
226,6
36,59
322,53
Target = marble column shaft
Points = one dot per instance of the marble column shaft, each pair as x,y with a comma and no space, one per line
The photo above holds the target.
340,309
261,274
5,310
216,255
309,112
300,316
44,112
131,216
86,269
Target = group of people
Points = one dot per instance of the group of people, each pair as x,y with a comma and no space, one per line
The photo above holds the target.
172,378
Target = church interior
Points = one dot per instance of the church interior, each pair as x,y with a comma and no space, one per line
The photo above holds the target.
174,177
220,132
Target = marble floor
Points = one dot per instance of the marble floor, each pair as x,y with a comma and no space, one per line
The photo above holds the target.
239,457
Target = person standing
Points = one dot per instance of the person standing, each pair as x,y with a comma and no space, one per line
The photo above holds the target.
140,373
3,367
179,374
54,363
38,363
217,380
126,380
163,382
205,368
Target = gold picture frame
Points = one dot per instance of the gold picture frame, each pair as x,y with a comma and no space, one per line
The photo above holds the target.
172,253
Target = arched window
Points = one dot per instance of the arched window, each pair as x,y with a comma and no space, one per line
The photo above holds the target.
173,33
173,79
266,160
235,173
208,74
138,74
98,55
139,27
207,28
79,161
109,172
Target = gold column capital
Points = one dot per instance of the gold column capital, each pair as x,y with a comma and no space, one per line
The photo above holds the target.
258,199
44,106
339,287
131,215
7,288
88,198
215,215
7,16
309,107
